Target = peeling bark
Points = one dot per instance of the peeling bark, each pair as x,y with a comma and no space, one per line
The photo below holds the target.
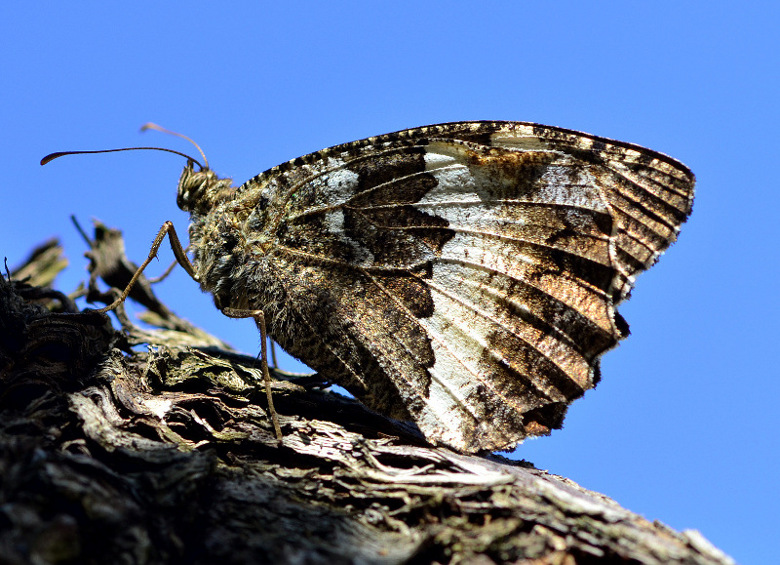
113,455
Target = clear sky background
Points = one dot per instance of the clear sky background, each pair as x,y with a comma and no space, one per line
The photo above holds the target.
684,426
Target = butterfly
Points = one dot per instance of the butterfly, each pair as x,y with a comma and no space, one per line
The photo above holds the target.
463,276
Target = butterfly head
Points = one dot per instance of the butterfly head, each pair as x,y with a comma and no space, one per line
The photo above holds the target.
199,190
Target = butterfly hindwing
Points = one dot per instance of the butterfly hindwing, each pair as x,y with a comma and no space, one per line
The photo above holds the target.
464,275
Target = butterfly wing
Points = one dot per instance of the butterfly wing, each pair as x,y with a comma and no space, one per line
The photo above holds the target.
464,275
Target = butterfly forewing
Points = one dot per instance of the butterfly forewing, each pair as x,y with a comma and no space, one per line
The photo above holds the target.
463,276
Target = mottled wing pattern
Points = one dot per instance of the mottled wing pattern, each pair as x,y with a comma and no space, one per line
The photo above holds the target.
464,275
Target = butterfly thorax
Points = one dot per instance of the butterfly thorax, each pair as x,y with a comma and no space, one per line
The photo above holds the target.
230,240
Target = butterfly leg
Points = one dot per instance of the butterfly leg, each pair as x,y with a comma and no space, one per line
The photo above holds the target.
167,271
259,318
178,251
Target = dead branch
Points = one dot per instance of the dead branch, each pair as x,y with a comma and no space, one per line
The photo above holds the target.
113,455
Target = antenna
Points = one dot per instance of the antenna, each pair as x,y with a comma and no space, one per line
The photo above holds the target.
146,126
150,125
51,156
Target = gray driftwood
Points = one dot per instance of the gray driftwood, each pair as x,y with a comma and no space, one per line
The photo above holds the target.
111,453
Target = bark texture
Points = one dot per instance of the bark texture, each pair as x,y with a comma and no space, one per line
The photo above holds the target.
114,453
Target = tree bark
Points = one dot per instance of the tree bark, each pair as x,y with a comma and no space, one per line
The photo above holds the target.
109,454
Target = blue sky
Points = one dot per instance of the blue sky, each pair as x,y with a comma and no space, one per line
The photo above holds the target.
684,426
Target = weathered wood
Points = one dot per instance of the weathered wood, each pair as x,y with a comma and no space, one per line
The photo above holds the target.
42,265
113,455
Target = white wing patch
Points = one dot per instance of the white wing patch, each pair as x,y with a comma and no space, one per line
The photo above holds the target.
338,185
